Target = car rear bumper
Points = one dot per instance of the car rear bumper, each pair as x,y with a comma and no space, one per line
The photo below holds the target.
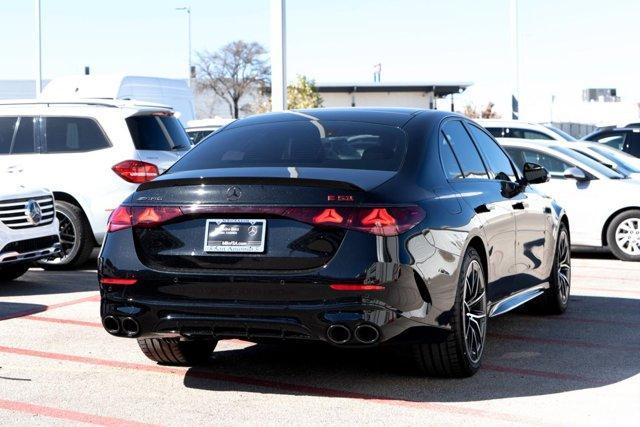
360,320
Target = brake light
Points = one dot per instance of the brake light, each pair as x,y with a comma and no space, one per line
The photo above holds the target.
328,216
136,171
118,281
119,219
143,217
352,287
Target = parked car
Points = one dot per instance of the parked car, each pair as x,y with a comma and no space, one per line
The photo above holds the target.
28,228
523,130
624,139
604,206
92,154
355,227
613,158
200,129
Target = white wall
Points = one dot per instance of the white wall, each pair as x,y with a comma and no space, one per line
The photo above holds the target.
378,99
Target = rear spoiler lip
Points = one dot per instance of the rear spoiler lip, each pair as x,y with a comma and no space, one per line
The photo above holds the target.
310,182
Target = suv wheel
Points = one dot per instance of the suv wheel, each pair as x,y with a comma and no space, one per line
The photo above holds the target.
172,351
13,271
75,238
460,354
623,235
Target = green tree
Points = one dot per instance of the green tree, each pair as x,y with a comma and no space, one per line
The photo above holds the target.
303,93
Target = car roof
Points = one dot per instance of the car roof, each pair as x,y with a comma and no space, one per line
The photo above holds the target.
506,123
385,116
84,102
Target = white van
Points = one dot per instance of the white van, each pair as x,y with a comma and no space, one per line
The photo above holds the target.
172,92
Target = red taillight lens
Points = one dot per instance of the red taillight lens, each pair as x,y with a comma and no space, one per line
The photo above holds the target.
118,281
328,216
143,217
386,221
119,219
355,287
152,216
136,171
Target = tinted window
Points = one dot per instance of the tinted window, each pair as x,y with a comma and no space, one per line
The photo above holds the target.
496,132
598,167
497,161
449,162
518,133
612,140
24,141
7,126
554,165
71,134
160,133
464,149
324,144
632,144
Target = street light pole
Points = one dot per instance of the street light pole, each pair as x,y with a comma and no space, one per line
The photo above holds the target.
278,56
38,49
188,10
515,60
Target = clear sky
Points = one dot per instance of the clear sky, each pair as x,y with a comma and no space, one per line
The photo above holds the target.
565,46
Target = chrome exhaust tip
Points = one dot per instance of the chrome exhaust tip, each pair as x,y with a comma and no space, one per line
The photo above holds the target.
130,326
338,334
111,325
367,334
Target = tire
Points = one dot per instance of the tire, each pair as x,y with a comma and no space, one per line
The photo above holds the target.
623,235
456,356
76,238
556,299
13,271
172,351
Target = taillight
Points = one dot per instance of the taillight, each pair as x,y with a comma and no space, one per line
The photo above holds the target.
119,219
379,221
143,217
136,171
118,281
355,287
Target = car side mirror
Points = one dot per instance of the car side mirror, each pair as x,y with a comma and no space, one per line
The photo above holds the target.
534,173
575,173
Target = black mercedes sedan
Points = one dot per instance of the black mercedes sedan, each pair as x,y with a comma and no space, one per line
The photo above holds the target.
353,227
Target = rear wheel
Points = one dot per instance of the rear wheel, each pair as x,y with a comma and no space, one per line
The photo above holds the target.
556,299
461,353
623,235
75,238
13,271
172,351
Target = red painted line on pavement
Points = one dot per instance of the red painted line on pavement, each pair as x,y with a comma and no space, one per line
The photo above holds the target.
277,385
64,321
558,341
49,307
68,415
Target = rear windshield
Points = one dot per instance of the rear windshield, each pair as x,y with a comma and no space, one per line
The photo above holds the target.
159,133
320,144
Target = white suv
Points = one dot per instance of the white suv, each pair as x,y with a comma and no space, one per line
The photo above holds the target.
92,154
28,229
523,130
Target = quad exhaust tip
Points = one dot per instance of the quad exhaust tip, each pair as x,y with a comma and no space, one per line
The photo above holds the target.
338,334
130,326
367,334
111,325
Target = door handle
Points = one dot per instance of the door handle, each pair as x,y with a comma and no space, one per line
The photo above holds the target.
484,208
520,205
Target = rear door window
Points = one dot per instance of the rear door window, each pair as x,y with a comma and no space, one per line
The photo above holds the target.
7,128
464,149
73,134
313,143
24,140
496,159
158,133
615,140
449,161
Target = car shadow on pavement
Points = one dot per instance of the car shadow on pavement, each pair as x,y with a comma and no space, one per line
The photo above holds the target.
594,343
11,310
39,282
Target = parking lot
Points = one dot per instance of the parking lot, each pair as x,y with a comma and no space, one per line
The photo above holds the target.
57,365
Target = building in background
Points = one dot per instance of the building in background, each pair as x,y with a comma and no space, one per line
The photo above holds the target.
439,95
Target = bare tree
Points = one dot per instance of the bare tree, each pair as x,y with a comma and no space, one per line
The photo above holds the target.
237,71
